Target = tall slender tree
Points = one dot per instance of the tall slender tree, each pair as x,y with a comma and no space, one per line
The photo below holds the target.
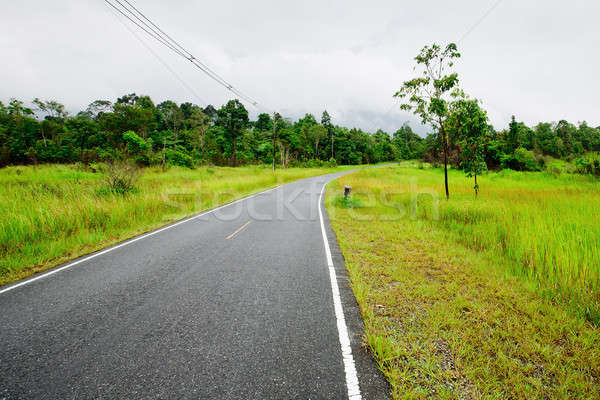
468,123
233,116
276,117
429,94
326,122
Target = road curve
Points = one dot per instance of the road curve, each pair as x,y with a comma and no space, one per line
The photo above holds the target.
235,303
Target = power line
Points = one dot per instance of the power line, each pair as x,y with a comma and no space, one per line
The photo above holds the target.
480,20
151,29
153,24
162,39
163,62
158,38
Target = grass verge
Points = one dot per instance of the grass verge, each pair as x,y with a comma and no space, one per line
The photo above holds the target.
450,316
54,213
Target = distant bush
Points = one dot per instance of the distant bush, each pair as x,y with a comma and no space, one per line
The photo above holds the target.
121,177
314,164
135,144
88,156
521,160
96,168
589,164
176,157
143,160
332,162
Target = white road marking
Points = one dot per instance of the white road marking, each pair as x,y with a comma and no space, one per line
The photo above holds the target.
349,367
238,230
127,242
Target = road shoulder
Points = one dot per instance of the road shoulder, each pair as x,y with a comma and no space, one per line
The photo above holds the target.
373,384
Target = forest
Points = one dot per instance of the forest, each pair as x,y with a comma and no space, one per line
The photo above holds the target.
167,133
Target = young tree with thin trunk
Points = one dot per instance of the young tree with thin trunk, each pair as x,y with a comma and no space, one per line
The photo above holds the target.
468,123
429,95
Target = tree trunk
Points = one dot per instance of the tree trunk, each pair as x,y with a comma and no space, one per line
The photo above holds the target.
164,160
445,144
233,153
476,187
332,145
446,175
281,154
43,135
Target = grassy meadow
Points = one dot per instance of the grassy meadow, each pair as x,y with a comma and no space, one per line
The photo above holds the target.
53,213
495,297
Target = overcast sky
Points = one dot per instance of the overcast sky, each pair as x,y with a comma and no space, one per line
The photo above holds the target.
538,60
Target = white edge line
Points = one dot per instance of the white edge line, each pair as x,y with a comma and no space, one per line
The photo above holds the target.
127,242
348,359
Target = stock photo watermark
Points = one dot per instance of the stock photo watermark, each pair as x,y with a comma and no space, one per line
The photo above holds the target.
302,204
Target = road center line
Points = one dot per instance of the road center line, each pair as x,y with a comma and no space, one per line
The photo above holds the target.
347,358
239,230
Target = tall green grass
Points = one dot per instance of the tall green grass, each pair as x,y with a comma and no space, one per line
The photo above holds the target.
52,213
453,306
545,225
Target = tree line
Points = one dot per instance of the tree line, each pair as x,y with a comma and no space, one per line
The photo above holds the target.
135,128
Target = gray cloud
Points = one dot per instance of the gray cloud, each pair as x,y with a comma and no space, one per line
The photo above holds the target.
537,60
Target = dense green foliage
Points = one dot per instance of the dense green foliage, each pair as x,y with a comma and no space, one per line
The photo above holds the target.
520,147
188,135
185,135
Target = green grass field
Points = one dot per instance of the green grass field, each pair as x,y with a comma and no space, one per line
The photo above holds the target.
53,213
496,298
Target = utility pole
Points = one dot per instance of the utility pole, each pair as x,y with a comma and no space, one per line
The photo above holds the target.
274,137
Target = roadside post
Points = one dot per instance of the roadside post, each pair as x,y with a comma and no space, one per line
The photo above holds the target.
347,190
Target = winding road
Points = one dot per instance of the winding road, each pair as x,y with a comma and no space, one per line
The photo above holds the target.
247,301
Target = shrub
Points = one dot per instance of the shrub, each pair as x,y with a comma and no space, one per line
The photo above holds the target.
347,202
589,164
521,160
332,162
96,168
135,144
175,157
108,155
142,160
88,156
314,163
121,177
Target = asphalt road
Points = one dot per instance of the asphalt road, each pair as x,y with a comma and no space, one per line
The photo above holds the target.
236,303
